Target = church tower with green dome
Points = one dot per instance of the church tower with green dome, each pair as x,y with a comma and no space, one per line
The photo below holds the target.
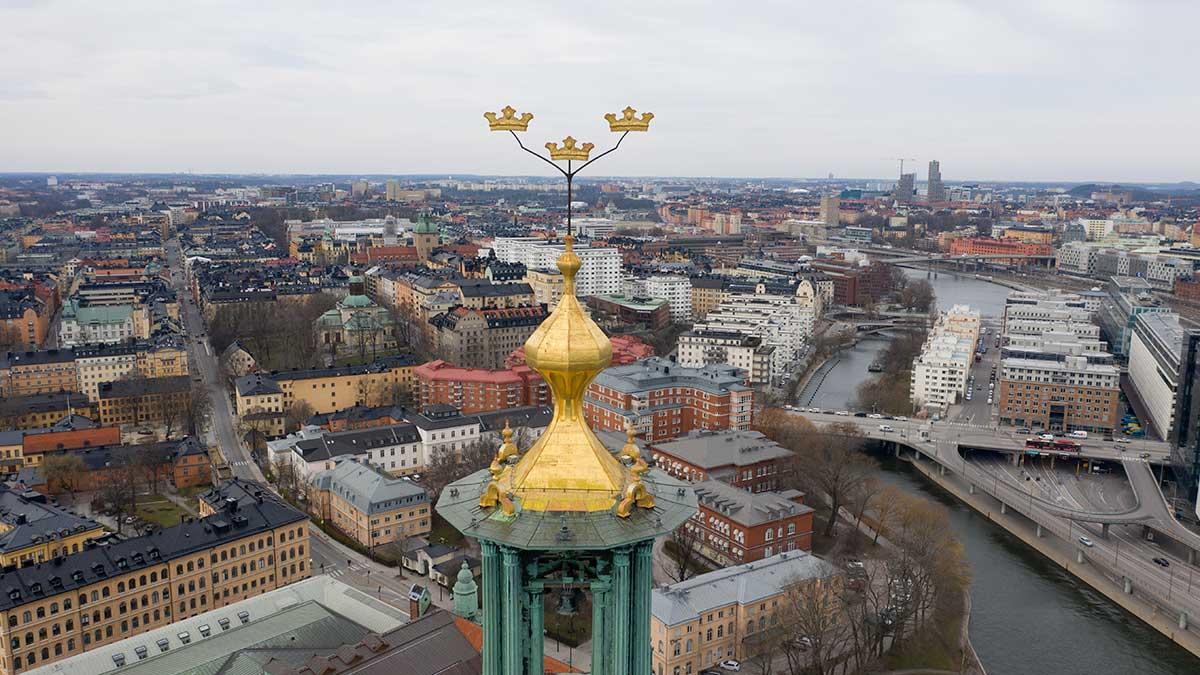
426,236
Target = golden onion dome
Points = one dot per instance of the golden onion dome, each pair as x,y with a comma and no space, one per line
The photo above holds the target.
567,468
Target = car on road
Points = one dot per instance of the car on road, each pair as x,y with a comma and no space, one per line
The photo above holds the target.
1086,542
710,672
731,665
875,416
860,414
886,428
843,413
1144,455
900,418
1078,434
1023,430
1123,440
1161,562
1046,437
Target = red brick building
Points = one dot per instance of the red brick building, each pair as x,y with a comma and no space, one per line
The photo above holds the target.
735,526
745,459
625,350
68,439
977,246
853,284
476,390
663,400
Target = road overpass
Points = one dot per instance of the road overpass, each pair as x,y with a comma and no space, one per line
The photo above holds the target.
950,443
942,445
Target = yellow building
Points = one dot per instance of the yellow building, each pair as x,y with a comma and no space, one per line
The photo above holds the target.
102,595
368,505
325,390
698,623
34,531
1030,235
547,286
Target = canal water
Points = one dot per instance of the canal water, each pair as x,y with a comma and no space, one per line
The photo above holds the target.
1028,616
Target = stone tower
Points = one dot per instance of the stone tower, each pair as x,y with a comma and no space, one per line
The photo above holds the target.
426,236
567,516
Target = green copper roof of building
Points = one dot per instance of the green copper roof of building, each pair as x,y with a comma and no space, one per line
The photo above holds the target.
425,225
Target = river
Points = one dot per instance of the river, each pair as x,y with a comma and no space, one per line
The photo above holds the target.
1028,616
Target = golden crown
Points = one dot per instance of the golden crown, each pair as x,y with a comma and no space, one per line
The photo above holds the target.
569,150
629,121
508,121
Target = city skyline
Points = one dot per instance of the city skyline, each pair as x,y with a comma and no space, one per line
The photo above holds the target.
994,93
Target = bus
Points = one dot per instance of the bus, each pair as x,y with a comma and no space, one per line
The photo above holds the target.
1056,445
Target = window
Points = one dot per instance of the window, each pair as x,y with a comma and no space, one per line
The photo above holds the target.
223,623
205,631
163,645
119,659
185,637
141,652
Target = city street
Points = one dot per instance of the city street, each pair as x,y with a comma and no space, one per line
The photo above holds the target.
221,429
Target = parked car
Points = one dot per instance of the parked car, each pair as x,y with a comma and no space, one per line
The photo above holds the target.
731,665
843,413
1046,437
1123,440
860,414
875,416
1086,542
1161,562
1144,455
1023,430
1078,434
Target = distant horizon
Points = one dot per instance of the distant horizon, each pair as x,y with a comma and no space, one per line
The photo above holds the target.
549,177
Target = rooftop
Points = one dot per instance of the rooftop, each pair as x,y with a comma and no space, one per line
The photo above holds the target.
711,450
746,508
368,489
740,584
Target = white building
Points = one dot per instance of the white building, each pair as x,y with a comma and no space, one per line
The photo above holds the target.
676,290
600,273
780,321
699,348
97,324
1077,258
1097,228
1154,359
939,375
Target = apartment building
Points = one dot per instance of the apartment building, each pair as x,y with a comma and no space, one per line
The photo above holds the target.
98,364
474,390
547,287
152,401
39,411
734,526
663,400
707,293
676,290
600,273
697,623
986,246
939,373
105,594
483,338
47,371
368,505
1077,257
744,458
700,348
325,390
33,530
652,313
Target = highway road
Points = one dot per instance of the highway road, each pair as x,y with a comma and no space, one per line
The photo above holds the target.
1176,586
221,430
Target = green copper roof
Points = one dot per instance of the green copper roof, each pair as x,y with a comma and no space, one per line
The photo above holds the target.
425,225
675,502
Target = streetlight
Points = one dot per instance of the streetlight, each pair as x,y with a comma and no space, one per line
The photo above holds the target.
570,151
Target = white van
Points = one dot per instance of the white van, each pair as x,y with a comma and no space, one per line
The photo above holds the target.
1078,434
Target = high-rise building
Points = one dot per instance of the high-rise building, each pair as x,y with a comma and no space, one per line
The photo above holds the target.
831,208
359,188
904,188
936,191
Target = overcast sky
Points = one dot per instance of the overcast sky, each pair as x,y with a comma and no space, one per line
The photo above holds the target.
1040,90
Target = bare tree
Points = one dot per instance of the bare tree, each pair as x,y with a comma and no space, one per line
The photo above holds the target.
196,410
297,414
884,510
683,550
831,464
446,467
63,472
815,626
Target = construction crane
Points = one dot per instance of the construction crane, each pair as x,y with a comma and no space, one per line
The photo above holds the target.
902,160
